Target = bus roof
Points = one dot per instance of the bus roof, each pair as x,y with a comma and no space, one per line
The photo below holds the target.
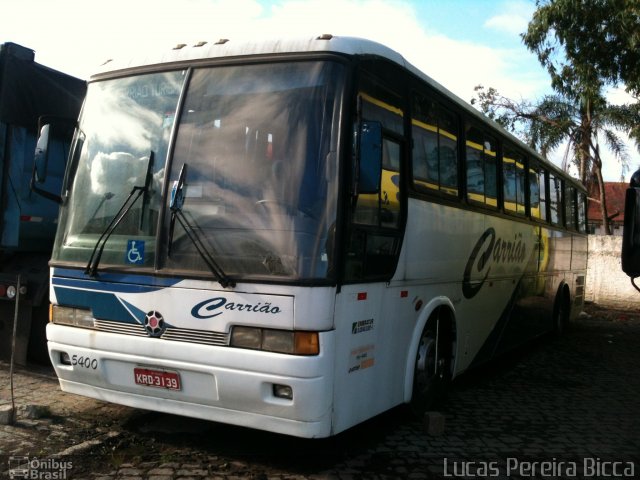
225,48
350,46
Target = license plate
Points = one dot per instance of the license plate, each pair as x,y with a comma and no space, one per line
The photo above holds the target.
157,378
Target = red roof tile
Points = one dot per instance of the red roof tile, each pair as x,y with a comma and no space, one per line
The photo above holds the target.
615,193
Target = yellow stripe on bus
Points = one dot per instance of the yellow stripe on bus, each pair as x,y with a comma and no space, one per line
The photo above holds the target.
424,126
381,104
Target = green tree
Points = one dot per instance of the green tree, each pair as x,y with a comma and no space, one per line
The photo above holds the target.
587,40
585,45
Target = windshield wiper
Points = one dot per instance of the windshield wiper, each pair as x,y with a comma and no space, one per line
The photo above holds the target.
177,200
147,190
136,192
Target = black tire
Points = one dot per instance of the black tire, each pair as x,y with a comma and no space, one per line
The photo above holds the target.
432,375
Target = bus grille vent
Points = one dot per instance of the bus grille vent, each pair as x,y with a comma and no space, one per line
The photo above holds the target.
171,333
121,328
196,336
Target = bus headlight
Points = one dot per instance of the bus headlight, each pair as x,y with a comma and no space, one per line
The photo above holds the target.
246,337
279,341
74,317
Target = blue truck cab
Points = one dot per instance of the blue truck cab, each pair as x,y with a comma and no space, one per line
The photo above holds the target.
29,92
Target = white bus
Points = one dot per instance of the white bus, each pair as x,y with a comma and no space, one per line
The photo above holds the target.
297,235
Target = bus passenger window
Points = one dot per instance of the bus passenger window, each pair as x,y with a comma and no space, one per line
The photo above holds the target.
475,166
570,207
425,153
482,185
448,152
490,172
555,199
513,174
538,193
435,147
582,213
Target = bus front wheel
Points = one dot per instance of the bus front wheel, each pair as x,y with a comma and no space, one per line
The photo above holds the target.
432,372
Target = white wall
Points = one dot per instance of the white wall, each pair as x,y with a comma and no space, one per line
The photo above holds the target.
607,284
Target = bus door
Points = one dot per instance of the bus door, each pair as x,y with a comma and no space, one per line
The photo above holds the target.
374,237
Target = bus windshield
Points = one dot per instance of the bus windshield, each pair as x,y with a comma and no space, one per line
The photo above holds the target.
257,144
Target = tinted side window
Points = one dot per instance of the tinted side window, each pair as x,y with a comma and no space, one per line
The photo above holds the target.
481,158
570,214
582,213
514,179
382,209
435,147
374,235
389,115
555,199
538,192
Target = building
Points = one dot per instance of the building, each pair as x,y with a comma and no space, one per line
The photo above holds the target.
614,193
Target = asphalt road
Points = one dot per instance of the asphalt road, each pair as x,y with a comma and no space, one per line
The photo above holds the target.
558,408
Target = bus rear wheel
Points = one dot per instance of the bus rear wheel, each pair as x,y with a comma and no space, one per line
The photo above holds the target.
561,312
432,372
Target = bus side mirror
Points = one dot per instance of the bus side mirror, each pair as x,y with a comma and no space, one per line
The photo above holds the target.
631,229
41,164
41,157
370,161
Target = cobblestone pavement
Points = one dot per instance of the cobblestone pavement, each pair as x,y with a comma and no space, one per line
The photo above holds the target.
560,408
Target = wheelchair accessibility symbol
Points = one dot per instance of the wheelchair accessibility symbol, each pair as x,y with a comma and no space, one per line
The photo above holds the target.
135,252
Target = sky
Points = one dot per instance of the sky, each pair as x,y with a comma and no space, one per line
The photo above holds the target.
459,43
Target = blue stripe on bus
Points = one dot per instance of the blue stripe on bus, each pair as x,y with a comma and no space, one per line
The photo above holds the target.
103,286
149,280
103,305
138,314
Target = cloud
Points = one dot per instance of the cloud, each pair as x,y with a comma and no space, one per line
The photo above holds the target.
458,65
509,23
70,36
514,18
84,38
